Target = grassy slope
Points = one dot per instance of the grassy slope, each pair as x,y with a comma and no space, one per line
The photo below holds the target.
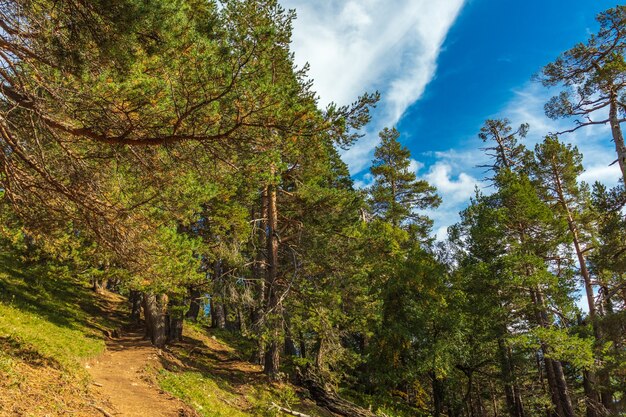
49,324
212,375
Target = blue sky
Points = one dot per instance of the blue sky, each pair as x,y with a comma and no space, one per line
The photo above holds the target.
443,67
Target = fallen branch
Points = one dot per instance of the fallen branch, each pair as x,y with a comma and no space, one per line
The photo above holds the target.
328,399
288,411
102,410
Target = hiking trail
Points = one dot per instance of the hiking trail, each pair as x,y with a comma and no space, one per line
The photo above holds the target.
123,385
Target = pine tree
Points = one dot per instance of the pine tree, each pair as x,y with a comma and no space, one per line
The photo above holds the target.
594,77
557,169
397,194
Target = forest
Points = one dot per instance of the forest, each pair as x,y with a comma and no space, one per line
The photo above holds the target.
172,153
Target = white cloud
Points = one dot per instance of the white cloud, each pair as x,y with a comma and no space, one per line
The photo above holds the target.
602,173
415,166
455,184
366,45
453,190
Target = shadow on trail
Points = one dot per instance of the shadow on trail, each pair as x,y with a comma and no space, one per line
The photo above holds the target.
214,361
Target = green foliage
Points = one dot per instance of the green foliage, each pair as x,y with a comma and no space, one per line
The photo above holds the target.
397,195
566,347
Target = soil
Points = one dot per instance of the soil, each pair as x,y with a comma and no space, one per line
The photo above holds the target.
123,383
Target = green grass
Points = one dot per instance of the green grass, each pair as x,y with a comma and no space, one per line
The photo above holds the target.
218,381
211,396
50,324
201,392
44,310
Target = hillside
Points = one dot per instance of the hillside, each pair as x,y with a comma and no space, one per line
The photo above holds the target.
57,358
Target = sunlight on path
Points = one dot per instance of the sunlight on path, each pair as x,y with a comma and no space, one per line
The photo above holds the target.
125,388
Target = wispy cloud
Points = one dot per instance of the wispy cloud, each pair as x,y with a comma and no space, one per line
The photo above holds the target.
366,45
392,46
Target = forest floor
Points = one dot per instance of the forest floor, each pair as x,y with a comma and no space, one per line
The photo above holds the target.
204,375
64,352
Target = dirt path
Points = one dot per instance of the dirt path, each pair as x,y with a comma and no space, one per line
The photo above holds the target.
124,388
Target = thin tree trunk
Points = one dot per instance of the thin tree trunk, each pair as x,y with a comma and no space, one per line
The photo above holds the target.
273,311
589,378
302,344
554,390
554,369
438,395
146,314
512,395
195,296
218,314
290,345
175,321
241,321
494,399
618,136
482,412
259,272
135,299
218,309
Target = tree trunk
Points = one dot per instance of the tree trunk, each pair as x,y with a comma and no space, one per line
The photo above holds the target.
618,136
554,370
273,308
438,395
218,309
512,394
175,321
146,320
195,296
589,378
494,399
330,400
155,308
241,322
271,367
175,328
256,317
218,314
302,344
259,272
290,345
554,390
135,299
592,401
